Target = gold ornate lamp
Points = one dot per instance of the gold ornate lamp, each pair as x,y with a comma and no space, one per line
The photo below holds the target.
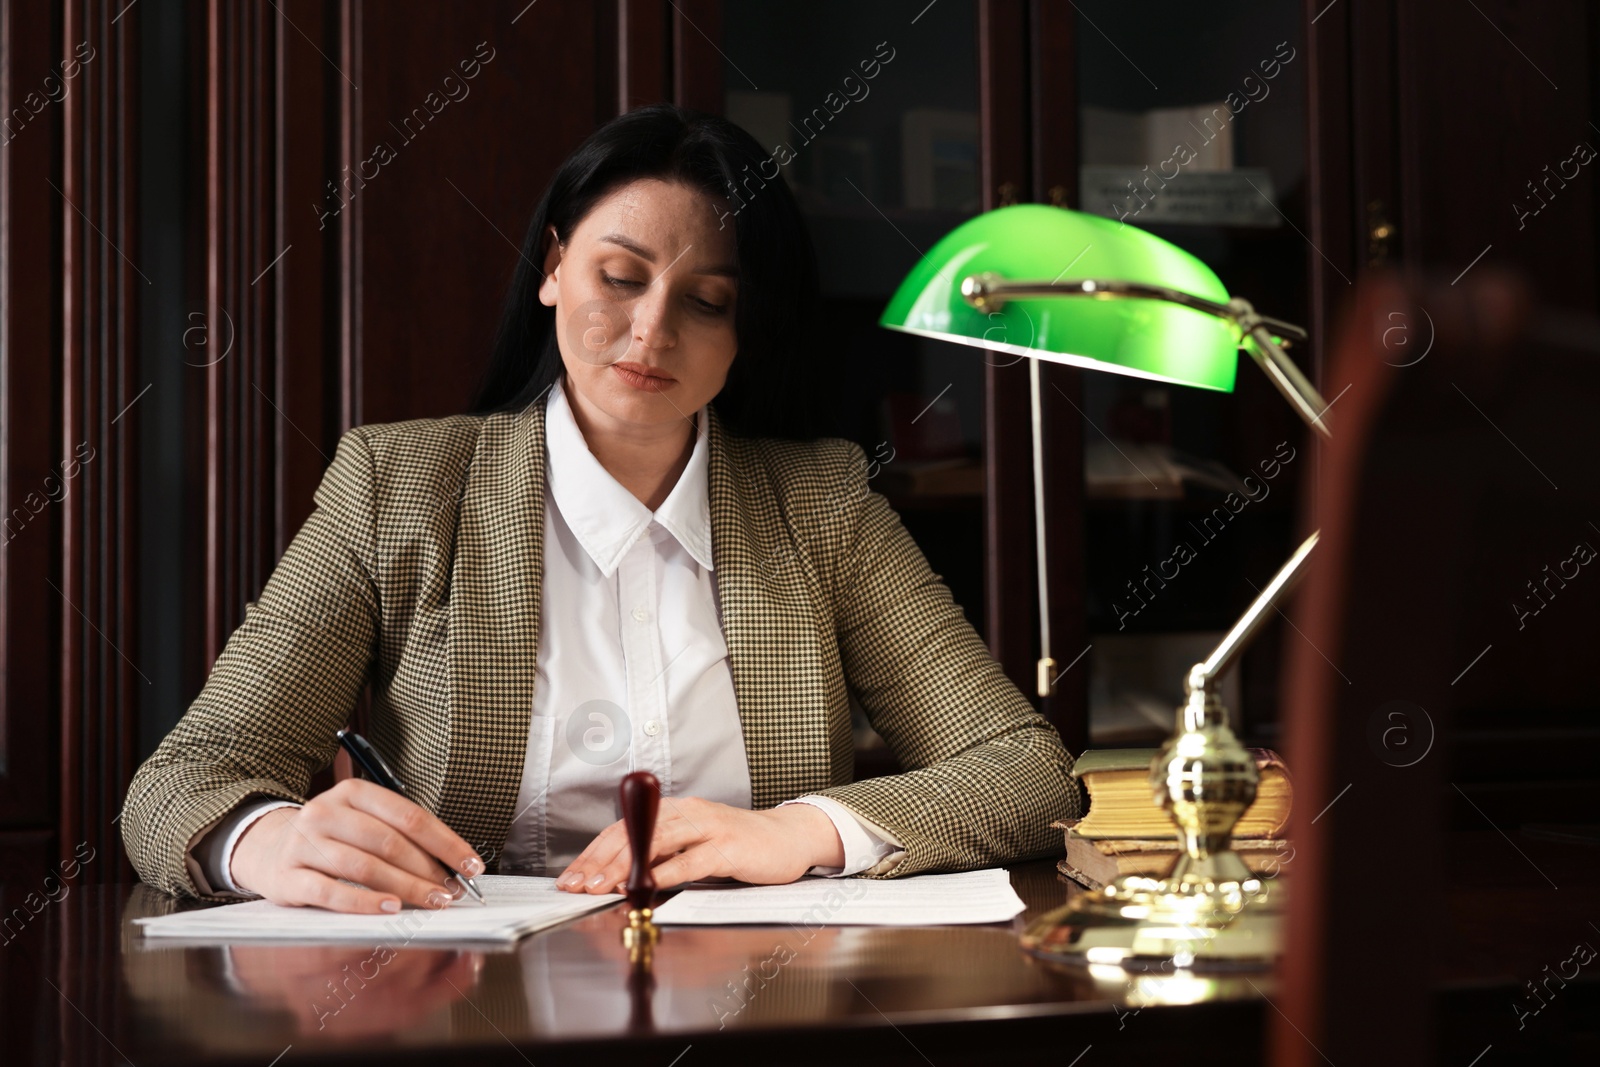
1210,911
1143,307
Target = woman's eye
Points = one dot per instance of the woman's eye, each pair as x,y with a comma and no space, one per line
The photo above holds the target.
623,283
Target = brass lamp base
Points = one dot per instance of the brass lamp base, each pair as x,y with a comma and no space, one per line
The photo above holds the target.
1210,913
1154,923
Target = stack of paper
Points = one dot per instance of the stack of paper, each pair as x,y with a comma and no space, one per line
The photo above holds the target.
920,900
516,906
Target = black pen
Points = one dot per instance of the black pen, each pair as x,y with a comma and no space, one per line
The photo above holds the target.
378,770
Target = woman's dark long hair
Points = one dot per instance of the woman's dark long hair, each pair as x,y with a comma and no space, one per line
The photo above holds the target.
771,389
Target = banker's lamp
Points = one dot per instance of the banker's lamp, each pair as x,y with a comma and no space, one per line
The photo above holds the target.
1059,285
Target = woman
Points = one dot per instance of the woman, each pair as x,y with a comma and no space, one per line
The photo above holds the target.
599,569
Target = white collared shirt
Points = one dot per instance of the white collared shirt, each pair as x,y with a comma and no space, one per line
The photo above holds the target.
632,668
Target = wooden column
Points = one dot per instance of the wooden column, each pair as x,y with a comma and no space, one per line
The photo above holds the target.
642,54
31,473
696,64
93,595
241,420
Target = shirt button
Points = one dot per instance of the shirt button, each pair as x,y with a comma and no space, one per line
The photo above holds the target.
652,727
641,614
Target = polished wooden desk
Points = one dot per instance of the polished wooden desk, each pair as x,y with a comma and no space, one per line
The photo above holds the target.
946,995
79,985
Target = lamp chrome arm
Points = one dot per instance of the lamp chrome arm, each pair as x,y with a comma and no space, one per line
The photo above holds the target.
1203,675
988,291
1271,357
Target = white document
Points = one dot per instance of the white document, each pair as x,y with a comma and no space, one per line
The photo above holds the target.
919,900
516,906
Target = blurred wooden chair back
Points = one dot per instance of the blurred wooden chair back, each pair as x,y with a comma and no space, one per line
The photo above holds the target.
1461,469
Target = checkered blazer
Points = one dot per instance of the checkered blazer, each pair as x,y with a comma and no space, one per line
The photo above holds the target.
419,570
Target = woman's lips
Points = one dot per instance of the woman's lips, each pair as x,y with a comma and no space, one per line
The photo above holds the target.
645,383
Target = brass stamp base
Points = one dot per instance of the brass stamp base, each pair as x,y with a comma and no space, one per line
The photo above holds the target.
639,937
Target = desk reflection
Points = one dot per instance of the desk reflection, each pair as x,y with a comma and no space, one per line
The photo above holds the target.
359,991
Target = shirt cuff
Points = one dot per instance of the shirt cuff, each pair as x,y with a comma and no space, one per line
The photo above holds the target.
214,851
864,845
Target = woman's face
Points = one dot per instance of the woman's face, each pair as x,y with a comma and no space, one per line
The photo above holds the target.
645,286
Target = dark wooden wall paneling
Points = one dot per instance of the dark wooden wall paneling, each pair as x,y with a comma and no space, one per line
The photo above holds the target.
240,413
1470,146
30,610
696,63
431,240
645,54
100,389
1333,155
307,410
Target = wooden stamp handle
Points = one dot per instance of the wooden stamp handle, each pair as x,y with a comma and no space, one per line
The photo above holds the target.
641,796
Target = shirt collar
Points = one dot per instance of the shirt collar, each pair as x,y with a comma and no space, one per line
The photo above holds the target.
602,514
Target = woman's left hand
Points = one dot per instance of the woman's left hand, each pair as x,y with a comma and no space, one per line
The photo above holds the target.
697,839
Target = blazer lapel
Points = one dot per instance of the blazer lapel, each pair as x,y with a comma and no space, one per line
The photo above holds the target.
495,598
768,624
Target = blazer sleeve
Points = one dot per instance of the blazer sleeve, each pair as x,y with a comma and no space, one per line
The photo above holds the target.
987,774
286,680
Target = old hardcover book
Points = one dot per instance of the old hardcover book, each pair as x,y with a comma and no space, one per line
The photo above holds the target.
1121,804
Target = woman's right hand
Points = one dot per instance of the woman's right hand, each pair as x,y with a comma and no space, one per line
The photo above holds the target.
359,831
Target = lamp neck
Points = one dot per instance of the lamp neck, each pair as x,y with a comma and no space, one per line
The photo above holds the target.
1202,708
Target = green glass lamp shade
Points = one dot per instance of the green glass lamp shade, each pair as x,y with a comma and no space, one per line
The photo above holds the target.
1143,337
